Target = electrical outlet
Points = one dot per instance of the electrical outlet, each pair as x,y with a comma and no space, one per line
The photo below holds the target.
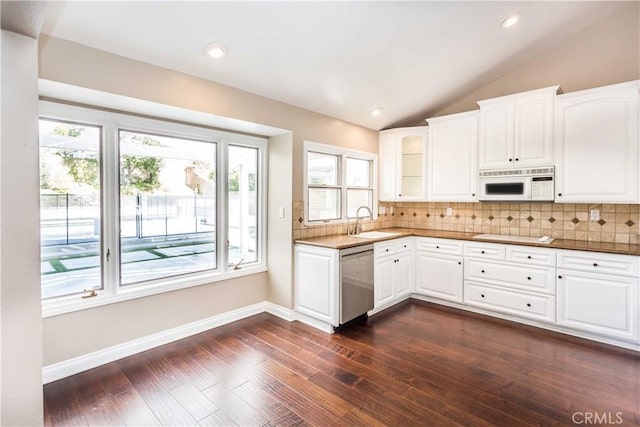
449,211
594,214
382,210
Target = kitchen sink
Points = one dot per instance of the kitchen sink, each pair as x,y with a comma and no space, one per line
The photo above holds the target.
376,234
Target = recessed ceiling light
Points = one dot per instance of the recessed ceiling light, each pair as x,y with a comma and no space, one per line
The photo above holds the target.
377,111
215,50
510,21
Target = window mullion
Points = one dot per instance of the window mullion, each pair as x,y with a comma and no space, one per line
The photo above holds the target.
110,209
222,206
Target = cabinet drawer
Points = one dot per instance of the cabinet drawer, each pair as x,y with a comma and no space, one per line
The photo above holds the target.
439,246
522,304
391,247
484,250
530,278
531,256
593,262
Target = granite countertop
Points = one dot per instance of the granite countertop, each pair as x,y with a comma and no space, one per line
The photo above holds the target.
343,241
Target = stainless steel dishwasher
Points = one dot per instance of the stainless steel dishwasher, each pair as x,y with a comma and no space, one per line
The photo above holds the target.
356,282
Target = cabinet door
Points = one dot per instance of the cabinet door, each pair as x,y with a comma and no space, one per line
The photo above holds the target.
316,283
533,142
453,158
601,304
383,280
403,274
387,166
496,135
596,138
439,276
413,164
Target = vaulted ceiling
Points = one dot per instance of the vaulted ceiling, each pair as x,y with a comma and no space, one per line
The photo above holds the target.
342,59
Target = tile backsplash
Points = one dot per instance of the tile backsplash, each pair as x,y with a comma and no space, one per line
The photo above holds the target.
617,223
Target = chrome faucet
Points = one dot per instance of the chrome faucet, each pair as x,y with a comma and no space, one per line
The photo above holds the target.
358,228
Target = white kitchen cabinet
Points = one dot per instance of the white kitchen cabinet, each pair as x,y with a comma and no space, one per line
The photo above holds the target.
439,268
598,294
316,280
453,158
439,276
517,130
596,140
517,281
393,272
402,157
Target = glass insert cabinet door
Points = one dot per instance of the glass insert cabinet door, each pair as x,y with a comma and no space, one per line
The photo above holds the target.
402,155
412,167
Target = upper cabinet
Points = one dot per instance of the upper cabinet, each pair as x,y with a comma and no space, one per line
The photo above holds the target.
402,159
453,158
596,140
517,130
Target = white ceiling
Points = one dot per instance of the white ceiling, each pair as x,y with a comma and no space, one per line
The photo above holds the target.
342,59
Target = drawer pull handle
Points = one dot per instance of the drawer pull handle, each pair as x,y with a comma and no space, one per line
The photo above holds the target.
482,295
481,252
595,264
528,256
481,271
528,278
528,304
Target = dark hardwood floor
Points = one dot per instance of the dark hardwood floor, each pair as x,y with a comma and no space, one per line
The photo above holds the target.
415,364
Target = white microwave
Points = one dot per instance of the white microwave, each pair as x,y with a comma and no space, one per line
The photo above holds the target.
517,185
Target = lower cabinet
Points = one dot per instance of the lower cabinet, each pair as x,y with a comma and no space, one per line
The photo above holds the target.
393,272
517,303
316,280
439,276
602,304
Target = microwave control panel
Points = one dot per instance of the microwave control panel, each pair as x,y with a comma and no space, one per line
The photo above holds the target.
542,188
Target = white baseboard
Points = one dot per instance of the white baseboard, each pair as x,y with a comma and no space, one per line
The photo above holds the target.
280,311
78,364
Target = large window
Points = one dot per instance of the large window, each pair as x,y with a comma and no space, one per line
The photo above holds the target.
337,183
133,206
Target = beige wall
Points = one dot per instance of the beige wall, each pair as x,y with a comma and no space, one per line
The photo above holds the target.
605,53
86,331
21,325
280,261
78,65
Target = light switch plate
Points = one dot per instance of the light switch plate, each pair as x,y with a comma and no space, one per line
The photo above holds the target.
449,211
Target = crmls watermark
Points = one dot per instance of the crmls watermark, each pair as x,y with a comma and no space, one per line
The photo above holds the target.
599,418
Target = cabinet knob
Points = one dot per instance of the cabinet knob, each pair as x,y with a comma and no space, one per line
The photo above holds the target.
517,159
528,304
459,263
386,250
595,264
510,160
399,195
528,278
437,247
482,295
528,256
481,252
559,194
473,194
405,246
481,271
559,277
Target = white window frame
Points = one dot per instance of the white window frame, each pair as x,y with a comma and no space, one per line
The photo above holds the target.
343,154
111,123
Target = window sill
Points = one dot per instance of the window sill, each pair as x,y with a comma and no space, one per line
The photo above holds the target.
68,304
